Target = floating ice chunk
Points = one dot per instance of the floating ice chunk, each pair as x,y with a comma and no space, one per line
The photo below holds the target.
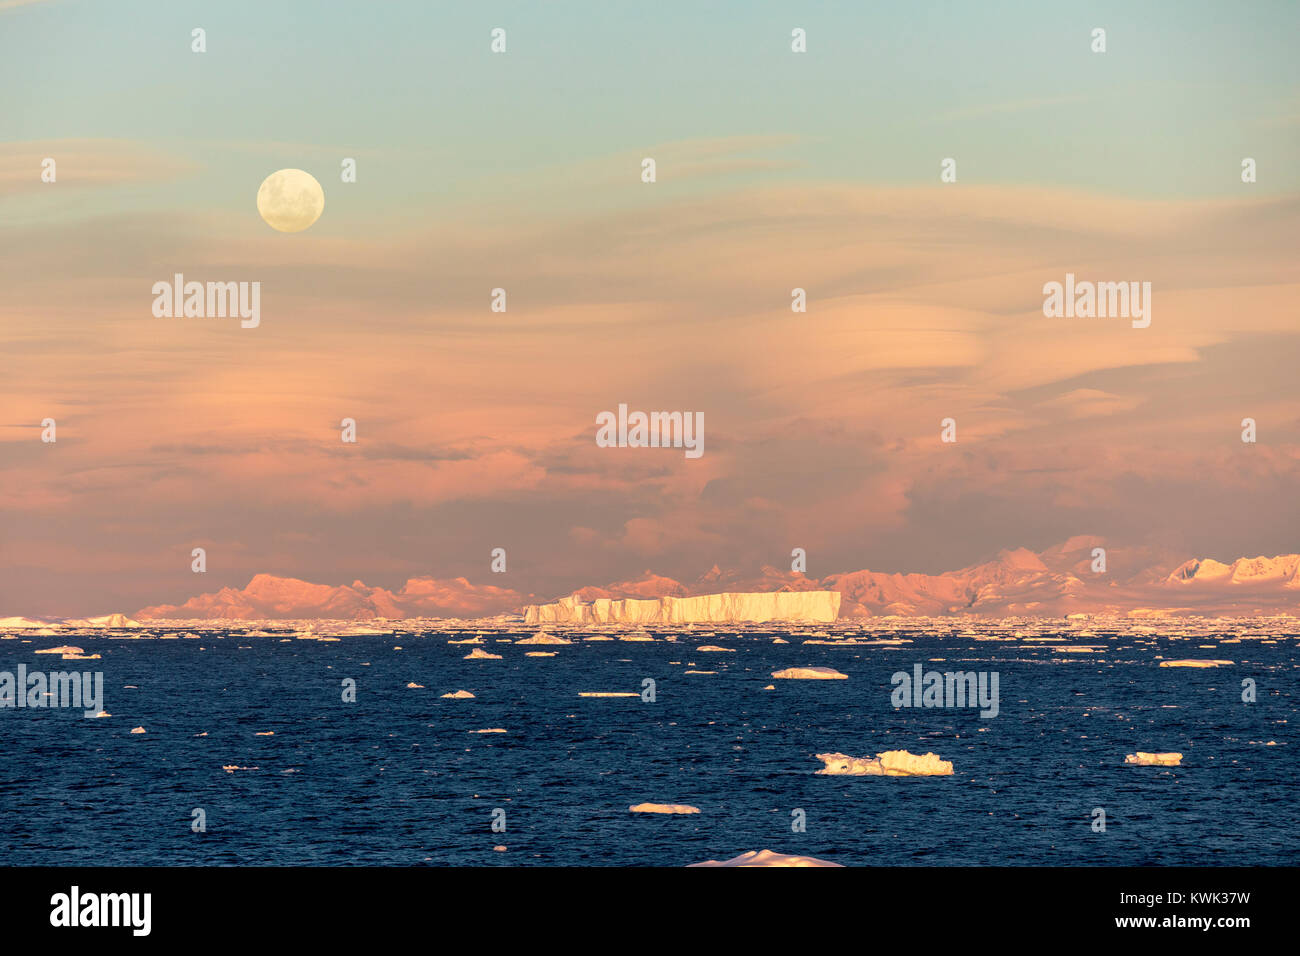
1194,663
891,763
715,649
103,713
458,695
810,673
62,649
539,654
414,686
662,808
607,693
264,733
768,858
1144,759
81,657
478,654
490,730
137,730
541,637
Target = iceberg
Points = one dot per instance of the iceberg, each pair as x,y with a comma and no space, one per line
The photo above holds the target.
541,637
768,858
1144,759
820,607
1193,662
809,673
891,763
662,808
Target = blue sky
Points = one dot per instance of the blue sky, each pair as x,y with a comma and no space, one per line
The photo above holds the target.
1011,90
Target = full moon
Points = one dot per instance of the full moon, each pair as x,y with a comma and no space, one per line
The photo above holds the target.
290,200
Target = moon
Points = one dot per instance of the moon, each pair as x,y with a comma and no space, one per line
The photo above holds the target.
290,200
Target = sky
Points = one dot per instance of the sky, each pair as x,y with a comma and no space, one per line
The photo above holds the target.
522,170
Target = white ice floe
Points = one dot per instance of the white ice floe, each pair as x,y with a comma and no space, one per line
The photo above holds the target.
458,695
542,637
768,858
891,763
662,808
1194,663
478,654
810,673
1144,759
715,649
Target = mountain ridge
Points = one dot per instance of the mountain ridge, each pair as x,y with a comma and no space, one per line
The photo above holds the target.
1054,582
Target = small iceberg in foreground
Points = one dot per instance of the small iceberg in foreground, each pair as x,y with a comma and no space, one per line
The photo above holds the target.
768,858
891,763
1144,759
1194,663
541,637
662,808
810,673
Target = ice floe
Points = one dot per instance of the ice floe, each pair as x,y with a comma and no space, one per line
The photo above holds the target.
768,858
809,673
890,763
662,808
542,637
1194,663
1144,759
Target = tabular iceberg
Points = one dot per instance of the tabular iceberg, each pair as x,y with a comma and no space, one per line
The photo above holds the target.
813,606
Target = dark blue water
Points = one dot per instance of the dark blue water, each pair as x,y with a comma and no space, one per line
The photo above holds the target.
397,777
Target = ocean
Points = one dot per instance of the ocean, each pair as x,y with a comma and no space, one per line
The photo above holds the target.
399,776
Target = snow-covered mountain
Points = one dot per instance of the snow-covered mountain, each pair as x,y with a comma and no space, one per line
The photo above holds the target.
268,597
1054,582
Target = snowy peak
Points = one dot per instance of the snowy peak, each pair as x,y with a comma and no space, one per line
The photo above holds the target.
1283,570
